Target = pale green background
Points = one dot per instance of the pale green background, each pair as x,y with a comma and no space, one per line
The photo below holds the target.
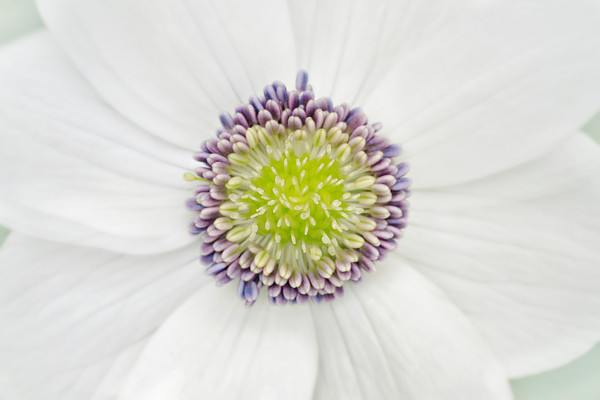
579,380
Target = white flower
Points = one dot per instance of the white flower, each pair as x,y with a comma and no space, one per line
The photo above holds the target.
101,292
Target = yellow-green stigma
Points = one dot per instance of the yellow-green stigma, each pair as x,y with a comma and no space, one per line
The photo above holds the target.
295,199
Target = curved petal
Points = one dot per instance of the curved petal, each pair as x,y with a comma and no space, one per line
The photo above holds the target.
47,225
73,319
214,348
519,254
339,43
492,87
68,159
395,336
171,66
45,98
469,88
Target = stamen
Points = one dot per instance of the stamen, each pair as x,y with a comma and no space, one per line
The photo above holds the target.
297,195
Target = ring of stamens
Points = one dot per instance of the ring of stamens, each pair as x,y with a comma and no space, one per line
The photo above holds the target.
297,196
299,199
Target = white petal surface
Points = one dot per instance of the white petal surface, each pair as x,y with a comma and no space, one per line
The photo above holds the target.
395,336
74,319
213,347
43,225
519,254
171,66
72,165
469,88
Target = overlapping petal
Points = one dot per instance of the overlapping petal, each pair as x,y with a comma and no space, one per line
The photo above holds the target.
396,336
213,347
72,165
73,320
518,252
172,66
469,88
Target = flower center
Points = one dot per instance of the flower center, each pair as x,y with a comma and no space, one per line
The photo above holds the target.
292,200
298,196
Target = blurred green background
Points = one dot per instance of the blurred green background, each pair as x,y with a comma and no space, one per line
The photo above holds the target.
579,380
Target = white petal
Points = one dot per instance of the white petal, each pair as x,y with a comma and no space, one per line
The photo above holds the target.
340,42
468,88
572,162
488,86
171,66
519,254
395,336
43,97
213,347
72,318
43,225
69,159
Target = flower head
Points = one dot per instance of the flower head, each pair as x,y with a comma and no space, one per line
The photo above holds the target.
495,276
297,195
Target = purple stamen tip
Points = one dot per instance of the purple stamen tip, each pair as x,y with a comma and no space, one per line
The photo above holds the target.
301,80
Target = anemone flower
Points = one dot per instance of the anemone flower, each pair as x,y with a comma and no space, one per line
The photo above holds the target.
489,273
